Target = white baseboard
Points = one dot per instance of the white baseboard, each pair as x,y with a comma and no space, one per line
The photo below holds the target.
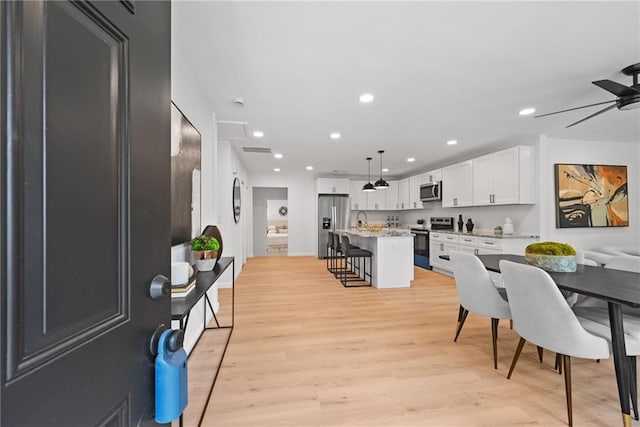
224,285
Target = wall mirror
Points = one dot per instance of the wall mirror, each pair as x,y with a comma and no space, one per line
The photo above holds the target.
236,200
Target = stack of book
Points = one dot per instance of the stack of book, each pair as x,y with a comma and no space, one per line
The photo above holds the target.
181,291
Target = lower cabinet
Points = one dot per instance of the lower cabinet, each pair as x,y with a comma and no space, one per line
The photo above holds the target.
443,243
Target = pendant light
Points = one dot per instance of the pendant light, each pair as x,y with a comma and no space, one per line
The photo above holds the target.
368,187
381,184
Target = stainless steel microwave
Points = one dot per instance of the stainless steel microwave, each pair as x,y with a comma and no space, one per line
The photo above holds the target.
431,191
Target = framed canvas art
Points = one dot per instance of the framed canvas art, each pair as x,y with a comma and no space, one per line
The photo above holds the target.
185,178
591,196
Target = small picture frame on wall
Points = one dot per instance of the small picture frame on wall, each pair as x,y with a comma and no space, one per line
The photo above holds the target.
591,196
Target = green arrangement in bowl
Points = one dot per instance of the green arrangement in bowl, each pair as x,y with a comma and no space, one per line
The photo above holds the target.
552,256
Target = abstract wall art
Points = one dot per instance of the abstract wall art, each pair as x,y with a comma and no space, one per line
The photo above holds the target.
185,178
591,196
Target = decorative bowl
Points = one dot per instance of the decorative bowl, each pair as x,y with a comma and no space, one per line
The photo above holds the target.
553,263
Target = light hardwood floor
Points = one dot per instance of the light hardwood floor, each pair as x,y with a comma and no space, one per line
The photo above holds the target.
306,352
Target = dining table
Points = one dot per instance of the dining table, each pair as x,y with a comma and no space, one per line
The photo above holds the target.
618,288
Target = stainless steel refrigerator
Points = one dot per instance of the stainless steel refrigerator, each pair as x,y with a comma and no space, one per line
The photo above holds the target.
333,214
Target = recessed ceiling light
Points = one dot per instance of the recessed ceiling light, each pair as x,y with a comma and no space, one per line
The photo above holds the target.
276,169
277,156
411,159
385,170
452,142
527,111
309,168
335,135
365,98
258,134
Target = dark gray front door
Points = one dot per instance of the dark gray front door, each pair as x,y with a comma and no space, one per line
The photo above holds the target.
84,166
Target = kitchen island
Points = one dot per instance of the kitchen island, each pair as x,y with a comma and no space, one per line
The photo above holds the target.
392,259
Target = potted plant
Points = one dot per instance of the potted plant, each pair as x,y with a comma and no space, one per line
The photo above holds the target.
552,256
204,250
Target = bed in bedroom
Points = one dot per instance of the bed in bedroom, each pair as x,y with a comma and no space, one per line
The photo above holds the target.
277,238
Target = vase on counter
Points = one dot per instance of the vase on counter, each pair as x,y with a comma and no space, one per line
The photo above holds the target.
507,227
470,225
461,224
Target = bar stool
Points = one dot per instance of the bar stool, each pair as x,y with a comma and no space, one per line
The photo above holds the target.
336,254
331,251
352,253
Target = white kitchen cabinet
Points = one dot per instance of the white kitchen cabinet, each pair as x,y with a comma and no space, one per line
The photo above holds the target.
432,176
414,192
442,243
333,185
357,197
504,177
391,200
376,200
403,193
457,185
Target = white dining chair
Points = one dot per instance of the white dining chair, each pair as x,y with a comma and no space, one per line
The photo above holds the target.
478,294
543,317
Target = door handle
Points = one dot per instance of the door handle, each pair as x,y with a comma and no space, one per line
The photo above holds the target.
160,286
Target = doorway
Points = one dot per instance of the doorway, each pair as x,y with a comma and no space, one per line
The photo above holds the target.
270,221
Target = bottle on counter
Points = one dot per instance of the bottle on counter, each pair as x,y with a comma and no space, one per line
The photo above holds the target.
460,224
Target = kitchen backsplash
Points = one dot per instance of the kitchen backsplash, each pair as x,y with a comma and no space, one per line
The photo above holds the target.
525,217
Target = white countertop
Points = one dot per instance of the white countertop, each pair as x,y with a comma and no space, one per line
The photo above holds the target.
385,232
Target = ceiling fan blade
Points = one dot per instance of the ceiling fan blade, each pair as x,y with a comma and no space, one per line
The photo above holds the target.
616,88
577,108
593,115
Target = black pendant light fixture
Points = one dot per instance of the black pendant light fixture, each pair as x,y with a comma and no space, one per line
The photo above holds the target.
381,184
368,186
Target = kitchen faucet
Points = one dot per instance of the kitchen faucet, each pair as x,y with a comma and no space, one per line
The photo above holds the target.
358,219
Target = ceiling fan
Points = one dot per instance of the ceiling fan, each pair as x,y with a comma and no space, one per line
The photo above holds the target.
628,97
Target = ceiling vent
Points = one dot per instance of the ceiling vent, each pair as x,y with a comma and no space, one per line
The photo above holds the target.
262,150
230,130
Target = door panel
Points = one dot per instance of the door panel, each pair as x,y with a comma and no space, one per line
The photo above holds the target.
85,93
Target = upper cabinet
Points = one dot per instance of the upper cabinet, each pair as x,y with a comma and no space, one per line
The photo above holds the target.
357,197
379,200
376,200
392,196
457,185
414,191
432,176
403,194
504,178
332,185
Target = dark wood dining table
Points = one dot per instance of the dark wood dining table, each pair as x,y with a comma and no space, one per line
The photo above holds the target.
618,288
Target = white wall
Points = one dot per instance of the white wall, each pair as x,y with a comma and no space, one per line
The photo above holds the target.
588,152
273,210
217,166
302,216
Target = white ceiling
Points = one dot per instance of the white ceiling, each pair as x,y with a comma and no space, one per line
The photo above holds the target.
438,70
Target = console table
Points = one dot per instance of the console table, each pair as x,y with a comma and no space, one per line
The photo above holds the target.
181,309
